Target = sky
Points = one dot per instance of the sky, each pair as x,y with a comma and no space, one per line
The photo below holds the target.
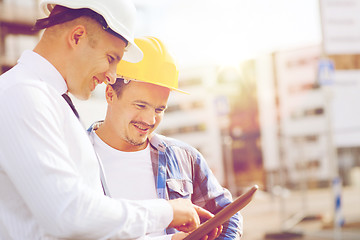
228,31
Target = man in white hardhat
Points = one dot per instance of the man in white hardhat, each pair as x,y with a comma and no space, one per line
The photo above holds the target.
152,165
50,185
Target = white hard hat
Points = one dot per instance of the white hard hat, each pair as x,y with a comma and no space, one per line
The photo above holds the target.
119,15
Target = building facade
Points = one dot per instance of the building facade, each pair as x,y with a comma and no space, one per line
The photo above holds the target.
16,21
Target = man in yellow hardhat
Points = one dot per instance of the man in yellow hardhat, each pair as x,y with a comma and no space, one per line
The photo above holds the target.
50,185
140,164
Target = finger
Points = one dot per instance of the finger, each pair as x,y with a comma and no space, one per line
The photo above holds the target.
185,228
182,229
179,236
220,228
204,237
203,213
212,235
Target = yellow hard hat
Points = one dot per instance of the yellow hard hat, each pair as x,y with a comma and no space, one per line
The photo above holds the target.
157,66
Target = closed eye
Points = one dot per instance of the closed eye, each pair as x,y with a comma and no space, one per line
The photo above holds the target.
140,106
111,59
160,110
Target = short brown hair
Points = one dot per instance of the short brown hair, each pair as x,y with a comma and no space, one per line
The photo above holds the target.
119,86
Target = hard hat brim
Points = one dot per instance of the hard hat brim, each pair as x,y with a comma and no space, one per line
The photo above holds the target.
132,53
155,83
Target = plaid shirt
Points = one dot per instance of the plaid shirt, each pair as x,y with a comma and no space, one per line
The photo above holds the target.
180,171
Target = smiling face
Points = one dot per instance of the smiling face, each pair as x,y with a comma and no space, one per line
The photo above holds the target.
133,115
95,60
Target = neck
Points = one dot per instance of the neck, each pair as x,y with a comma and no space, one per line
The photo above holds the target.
52,50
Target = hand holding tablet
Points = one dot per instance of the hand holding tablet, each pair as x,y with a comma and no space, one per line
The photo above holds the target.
223,215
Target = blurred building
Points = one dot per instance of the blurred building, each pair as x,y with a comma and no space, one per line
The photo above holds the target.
310,129
341,43
294,118
17,18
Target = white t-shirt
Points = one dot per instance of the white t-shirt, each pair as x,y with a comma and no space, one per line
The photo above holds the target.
129,175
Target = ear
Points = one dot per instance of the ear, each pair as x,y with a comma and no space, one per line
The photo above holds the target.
110,94
77,34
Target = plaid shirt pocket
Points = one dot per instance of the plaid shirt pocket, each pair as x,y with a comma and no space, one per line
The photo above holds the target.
179,188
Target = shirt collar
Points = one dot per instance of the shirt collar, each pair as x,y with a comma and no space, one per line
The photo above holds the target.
157,143
44,70
95,126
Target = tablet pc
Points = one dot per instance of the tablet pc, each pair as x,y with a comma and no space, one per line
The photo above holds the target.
223,215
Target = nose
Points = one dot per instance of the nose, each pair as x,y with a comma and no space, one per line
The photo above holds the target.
149,117
110,75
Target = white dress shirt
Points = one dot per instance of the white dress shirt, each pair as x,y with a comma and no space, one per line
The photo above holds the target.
49,176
